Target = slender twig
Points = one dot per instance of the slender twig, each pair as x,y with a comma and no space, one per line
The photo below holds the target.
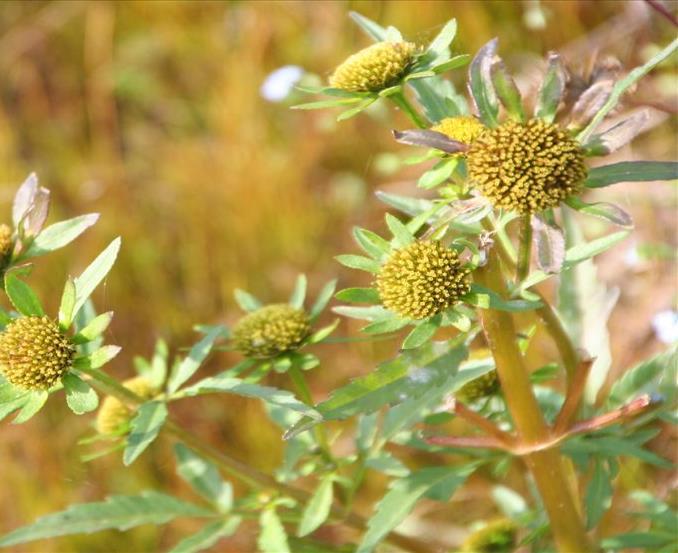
568,411
244,472
482,423
399,99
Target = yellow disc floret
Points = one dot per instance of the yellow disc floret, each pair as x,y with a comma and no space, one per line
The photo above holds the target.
422,279
526,167
478,388
113,415
497,536
271,330
374,68
462,128
5,240
34,354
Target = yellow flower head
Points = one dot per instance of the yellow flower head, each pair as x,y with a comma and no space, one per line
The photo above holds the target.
480,387
462,128
422,279
114,415
497,536
526,167
374,68
5,239
271,330
34,354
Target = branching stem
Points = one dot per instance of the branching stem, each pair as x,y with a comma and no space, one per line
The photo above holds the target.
399,99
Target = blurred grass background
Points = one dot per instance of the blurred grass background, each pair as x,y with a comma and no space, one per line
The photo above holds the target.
150,113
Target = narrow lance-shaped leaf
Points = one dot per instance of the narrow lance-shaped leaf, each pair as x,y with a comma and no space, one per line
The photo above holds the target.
22,296
272,537
401,233
94,329
598,494
23,199
623,85
618,135
631,171
480,84
372,29
299,293
60,234
35,217
429,139
422,333
549,243
145,427
506,89
603,210
67,304
324,296
119,512
203,477
193,360
318,508
552,89
440,45
207,536
90,278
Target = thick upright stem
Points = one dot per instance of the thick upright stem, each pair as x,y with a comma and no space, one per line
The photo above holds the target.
547,466
525,252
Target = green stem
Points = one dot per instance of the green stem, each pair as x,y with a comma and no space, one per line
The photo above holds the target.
242,471
305,393
525,250
399,99
547,466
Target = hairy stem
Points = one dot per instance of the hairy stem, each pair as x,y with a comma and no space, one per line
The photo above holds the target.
547,466
403,103
245,473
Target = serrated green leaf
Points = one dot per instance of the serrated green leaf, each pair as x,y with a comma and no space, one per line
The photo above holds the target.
358,262
401,234
358,295
246,301
480,84
272,537
631,171
67,304
118,512
80,396
409,375
22,296
229,384
598,495
144,428
191,363
624,84
60,234
403,495
207,536
204,478
299,293
318,508
92,276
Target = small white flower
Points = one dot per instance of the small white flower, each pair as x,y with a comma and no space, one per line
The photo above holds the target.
665,325
278,84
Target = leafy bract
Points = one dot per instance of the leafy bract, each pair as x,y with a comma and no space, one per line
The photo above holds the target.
145,427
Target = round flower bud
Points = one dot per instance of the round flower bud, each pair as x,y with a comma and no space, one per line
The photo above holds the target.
113,415
374,68
483,386
6,241
462,128
34,354
271,330
526,167
497,536
422,279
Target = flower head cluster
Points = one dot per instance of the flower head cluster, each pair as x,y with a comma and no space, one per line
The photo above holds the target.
422,279
34,354
374,68
5,240
478,388
462,128
497,536
114,415
526,167
271,330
